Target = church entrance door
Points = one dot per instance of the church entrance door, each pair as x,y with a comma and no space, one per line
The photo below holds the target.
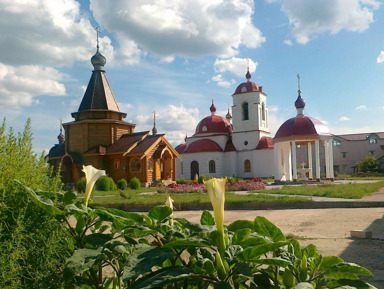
194,170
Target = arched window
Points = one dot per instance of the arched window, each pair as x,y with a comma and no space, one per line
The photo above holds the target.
212,166
247,166
135,165
116,163
245,111
263,111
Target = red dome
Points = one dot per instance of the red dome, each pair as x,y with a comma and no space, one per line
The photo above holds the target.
201,146
301,126
213,124
180,148
248,87
265,143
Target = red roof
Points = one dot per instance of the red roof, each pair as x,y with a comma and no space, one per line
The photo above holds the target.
204,145
301,126
180,148
265,143
214,124
229,147
249,87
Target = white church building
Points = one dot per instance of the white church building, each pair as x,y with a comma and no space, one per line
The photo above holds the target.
241,149
245,149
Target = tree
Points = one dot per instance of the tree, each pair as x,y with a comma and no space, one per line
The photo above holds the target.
32,243
368,165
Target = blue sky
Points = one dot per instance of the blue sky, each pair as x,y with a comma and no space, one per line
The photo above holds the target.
170,56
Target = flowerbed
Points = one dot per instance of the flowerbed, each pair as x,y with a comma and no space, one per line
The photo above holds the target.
193,187
251,185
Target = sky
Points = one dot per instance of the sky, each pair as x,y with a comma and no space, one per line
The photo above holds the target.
173,56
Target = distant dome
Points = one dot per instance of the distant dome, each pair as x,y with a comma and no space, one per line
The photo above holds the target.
204,145
98,61
213,124
300,102
302,126
248,86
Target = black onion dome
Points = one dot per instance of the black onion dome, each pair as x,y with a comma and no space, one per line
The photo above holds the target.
98,60
299,103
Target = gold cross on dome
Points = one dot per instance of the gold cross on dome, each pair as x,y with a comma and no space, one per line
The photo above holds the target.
98,30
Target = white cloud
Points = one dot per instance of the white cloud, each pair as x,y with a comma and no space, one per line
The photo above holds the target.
190,28
176,121
19,85
361,107
380,58
310,18
46,32
288,42
237,66
344,118
221,82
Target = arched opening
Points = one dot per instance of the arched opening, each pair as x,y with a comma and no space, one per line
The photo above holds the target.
67,170
245,111
194,169
212,167
247,166
263,111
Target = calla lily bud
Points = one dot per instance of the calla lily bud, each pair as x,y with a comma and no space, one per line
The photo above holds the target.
216,192
169,203
91,175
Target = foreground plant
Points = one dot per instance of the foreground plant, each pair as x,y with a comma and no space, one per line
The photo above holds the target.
117,249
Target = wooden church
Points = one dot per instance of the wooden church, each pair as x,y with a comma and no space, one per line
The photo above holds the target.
99,136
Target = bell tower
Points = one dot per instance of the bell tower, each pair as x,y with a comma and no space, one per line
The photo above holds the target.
250,115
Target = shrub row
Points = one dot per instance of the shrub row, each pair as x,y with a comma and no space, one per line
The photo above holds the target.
106,183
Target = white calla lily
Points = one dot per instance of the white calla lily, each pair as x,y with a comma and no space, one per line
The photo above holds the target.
216,192
169,203
91,175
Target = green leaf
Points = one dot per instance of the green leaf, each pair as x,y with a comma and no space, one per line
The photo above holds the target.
185,243
295,248
240,224
138,218
241,235
80,224
97,239
310,251
81,261
207,219
272,262
255,252
139,231
44,203
69,198
73,208
315,264
251,242
163,277
330,261
343,271
347,284
223,285
265,228
143,258
160,213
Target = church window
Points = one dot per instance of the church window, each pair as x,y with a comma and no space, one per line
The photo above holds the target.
344,155
247,166
336,143
245,111
372,140
150,165
263,111
135,165
212,166
116,163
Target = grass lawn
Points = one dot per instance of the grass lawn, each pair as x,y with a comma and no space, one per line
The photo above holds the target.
346,191
158,199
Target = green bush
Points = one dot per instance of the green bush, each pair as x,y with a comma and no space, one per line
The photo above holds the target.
122,184
201,179
183,181
105,184
81,184
135,183
33,245
368,165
